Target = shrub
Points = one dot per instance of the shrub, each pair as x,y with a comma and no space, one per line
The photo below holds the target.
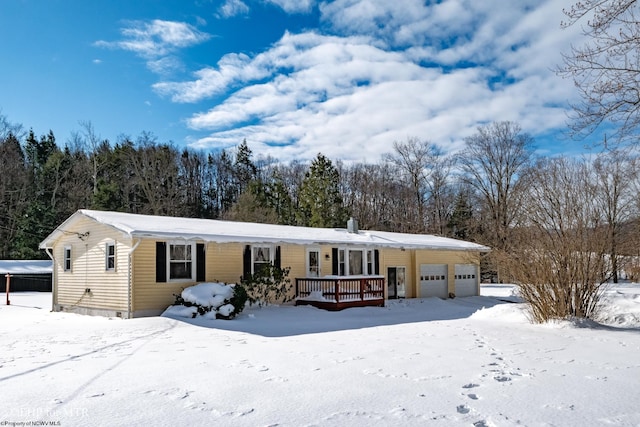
213,300
270,284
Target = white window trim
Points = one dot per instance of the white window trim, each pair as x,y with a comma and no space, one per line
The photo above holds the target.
193,260
308,265
365,259
106,256
64,258
272,254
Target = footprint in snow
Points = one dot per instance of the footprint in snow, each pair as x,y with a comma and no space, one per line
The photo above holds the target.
470,385
463,409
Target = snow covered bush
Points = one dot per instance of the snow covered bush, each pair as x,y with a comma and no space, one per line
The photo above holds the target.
211,300
270,284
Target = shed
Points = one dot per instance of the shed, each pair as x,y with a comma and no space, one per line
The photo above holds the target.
26,275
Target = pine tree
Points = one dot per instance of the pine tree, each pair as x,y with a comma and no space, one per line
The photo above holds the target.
245,171
320,202
39,217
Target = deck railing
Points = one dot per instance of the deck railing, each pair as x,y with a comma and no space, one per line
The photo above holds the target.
342,289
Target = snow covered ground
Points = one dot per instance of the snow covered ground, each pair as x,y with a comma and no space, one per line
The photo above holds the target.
468,361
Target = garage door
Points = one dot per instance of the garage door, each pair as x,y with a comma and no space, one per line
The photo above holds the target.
433,280
466,280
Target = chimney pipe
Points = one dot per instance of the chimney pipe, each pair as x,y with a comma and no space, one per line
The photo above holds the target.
352,225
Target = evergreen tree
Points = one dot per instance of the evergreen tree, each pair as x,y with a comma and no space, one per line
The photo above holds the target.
320,202
13,191
245,171
39,217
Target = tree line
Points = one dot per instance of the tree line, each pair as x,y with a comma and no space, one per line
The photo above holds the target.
492,192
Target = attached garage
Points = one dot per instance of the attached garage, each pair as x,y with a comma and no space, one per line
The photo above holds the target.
466,280
433,281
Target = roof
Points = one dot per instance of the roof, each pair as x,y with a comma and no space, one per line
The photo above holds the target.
209,230
25,267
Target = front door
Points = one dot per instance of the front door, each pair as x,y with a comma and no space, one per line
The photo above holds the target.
313,263
395,282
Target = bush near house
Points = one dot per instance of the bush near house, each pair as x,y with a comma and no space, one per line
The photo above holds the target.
270,284
210,300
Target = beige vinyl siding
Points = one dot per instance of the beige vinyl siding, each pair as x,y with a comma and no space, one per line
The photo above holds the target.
326,263
451,258
294,257
225,262
148,295
108,289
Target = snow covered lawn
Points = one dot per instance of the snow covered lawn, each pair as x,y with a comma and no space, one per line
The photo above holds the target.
467,361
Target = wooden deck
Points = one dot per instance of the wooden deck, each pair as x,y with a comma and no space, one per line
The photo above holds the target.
338,293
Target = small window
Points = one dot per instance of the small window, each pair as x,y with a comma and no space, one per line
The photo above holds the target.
261,258
110,256
67,258
180,261
341,262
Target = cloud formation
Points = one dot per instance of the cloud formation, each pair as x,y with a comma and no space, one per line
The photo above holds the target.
382,71
232,8
156,41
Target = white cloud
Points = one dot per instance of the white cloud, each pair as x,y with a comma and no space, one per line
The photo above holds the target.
390,70
294,6
232,8
155,40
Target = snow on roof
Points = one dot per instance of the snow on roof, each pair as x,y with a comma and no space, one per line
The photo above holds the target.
141,226
25,267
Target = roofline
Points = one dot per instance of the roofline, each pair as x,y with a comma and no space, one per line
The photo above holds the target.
48,242
258,239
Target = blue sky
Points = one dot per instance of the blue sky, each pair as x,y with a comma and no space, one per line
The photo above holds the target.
294,77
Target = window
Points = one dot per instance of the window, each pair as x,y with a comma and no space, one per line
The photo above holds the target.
180,261
313,263
355,263
341,262
261,258
67,258
110,256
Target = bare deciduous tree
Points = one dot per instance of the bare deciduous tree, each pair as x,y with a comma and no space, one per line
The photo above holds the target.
606,68
495,163
416,161
561,262
615,175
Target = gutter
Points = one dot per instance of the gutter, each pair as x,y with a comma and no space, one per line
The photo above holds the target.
129,280
54,284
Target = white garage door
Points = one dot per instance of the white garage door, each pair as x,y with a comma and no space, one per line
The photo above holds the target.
466,280
433,280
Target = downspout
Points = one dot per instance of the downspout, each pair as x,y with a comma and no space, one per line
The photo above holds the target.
54,284
129,281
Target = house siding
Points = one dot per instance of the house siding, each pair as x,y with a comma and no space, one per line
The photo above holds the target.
148,296
107,289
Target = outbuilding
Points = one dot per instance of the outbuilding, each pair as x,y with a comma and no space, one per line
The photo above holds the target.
26,275
129,265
